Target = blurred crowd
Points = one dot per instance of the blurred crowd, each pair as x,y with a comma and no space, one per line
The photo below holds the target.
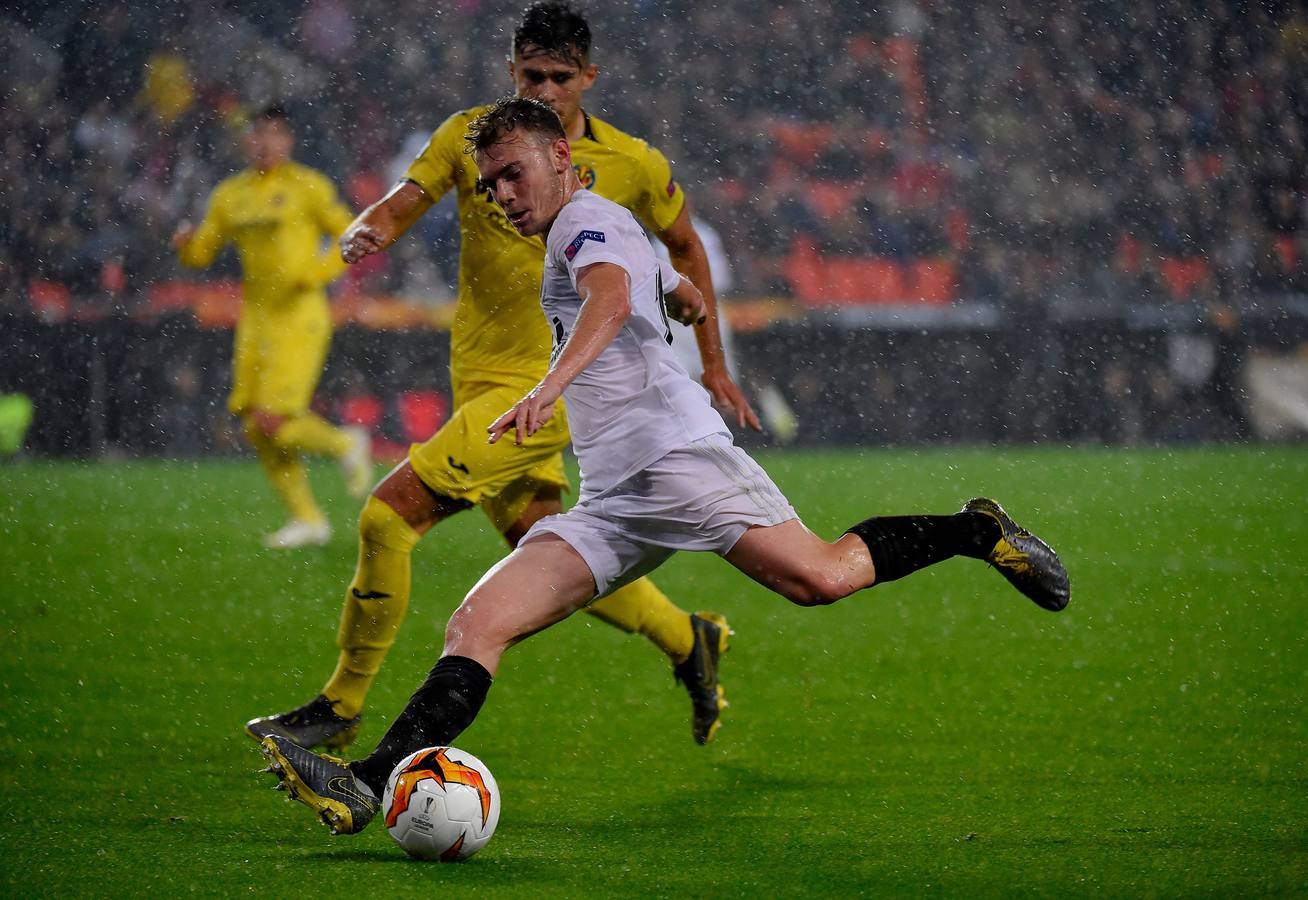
1108,153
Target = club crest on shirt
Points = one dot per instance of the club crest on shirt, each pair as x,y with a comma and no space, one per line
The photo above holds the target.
571,251
585,174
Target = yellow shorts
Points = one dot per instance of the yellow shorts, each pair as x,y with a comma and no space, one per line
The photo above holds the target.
279,357
457,462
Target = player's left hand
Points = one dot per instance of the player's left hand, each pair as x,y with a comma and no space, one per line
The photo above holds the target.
685,309
527,416
728,395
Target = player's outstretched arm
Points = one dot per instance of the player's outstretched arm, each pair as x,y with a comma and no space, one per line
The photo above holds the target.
686,251
605,292
383,223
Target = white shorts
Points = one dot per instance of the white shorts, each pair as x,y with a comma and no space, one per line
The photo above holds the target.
700,497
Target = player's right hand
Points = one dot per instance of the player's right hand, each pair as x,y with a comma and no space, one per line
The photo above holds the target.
527,416
182,236
359,241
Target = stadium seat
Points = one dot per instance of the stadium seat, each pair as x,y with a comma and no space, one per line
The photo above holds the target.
1183,275
804,271
1287,252
801,143
932,280
422,413
362,409
218,304
50,300
830,199
171,296
863,280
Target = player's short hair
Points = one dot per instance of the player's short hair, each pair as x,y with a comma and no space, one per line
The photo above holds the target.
269,112
555,29
511,114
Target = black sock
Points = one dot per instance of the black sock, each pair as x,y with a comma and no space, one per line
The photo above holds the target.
436,714
901,545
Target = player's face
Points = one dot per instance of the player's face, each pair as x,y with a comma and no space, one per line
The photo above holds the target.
268,143
559,83
526,176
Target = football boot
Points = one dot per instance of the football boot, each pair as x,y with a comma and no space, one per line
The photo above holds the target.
315,724
699,674
322,783
1029,564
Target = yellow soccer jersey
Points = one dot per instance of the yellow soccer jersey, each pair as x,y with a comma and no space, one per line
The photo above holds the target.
499,334
278,220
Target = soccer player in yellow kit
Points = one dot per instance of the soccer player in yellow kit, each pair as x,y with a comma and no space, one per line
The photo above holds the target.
283,218
500,348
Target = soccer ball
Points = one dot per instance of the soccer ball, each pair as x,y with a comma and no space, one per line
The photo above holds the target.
441,803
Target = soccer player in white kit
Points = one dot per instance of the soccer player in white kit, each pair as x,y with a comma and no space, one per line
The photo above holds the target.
659,472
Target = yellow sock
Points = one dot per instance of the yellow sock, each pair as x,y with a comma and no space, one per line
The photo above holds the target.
375,604
286,473
312,434
641,608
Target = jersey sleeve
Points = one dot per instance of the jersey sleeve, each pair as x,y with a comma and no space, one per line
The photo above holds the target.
584,241
333,217
661,198
670,277
436,168
211,235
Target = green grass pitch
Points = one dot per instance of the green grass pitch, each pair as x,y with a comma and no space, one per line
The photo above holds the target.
936,736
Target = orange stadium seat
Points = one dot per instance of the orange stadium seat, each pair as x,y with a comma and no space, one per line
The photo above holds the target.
422,413
860,280
362,409
801,142
830,199
804,270
1287,252
932,280
1183,275
50,300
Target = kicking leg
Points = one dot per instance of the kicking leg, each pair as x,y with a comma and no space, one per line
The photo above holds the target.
809,571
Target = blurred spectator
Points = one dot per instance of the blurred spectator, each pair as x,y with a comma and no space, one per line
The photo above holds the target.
1175,129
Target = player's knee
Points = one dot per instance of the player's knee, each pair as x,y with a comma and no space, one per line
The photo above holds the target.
266,423
814,589
469,633
382,526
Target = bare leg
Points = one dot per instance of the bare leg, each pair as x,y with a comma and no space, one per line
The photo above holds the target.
538,584
800,566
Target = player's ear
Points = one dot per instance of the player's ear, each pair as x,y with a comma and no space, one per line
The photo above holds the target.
562,155
588,76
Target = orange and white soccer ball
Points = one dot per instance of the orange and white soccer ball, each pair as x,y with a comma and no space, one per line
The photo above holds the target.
441,804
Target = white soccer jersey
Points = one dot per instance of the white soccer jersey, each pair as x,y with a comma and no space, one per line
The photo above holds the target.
635,402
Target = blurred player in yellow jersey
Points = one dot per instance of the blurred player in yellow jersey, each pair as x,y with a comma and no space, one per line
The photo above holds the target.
283,218
500,348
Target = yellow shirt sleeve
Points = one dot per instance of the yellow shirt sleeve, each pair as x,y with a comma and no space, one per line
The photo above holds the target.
436,168
333,217
661,199
211,236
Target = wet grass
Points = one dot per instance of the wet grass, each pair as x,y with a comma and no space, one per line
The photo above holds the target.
936,736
